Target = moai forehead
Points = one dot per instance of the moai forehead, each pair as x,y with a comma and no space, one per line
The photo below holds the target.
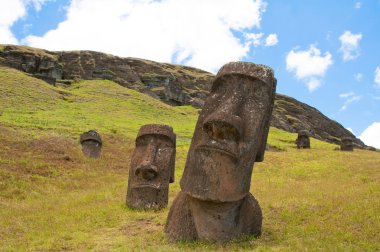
90,135
304,133
346,139
231,133
157,129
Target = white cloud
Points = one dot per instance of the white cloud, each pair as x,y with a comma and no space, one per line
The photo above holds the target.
358,5
7,18
346,95
196,33
254,38
271,40
371,135
350,45
358,76
377,76
10,12
309,66
350,98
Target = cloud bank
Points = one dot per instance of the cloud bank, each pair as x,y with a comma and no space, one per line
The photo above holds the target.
309,65
196,33
371,135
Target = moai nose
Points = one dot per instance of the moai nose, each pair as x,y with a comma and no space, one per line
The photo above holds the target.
225,123
146,171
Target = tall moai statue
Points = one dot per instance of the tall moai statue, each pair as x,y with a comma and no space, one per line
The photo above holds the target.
91,144
303,140
152,167
231,134
346,144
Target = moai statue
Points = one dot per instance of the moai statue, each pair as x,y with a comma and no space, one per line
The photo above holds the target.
303,140
91,144
231,134
152,167
346,144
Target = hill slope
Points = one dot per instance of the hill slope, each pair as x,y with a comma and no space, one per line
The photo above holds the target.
172,84
53,198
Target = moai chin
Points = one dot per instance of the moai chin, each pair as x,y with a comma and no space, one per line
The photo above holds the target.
230,135
91,144
303,140
152,167
346,144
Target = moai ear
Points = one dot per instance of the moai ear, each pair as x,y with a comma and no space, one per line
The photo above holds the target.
172,162
264,137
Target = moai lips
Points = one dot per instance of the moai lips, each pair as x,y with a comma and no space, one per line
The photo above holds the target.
230,135
346,144
303,140
91,144
152,167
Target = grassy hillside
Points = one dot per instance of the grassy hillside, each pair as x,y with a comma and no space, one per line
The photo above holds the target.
53,198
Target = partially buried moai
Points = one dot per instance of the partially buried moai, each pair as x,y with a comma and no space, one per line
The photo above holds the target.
303,140
152,167
346,144
231,134
91,144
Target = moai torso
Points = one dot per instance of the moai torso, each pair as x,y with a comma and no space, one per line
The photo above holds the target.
152,167
303,140
346,144
230,135
91,144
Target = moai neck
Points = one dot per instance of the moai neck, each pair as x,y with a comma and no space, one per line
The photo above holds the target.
216,221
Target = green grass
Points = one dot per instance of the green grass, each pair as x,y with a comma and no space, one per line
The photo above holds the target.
53,198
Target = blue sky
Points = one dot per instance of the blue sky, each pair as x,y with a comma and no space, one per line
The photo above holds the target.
324,53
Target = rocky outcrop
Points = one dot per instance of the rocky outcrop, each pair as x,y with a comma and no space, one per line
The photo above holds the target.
173,84
293,116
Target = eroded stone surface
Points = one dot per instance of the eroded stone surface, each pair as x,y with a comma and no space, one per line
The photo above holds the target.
152,167
303,140
346,144
91,144
230,135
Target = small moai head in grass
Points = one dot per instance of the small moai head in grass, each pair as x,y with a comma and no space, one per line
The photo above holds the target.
91,144
346,144
231,133
152,167
303,140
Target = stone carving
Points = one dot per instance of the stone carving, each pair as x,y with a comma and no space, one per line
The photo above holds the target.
91,144
231,134
346,144
152,167
303,140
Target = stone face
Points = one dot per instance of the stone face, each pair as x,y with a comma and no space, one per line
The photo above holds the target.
91,144
230,135
346,144
152,167
303,140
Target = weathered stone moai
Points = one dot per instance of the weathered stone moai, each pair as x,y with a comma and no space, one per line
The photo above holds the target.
231,134
152,167
91,144
346,144
303,140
